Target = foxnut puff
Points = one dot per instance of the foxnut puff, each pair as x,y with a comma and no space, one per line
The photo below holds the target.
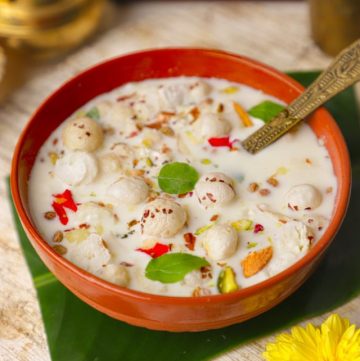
214,189
162,218
83,134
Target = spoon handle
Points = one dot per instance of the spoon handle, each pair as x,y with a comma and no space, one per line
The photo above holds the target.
343,72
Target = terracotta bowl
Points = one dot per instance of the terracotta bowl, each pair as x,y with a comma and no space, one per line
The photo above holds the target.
162,312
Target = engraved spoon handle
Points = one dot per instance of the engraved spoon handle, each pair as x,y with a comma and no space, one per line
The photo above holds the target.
343,72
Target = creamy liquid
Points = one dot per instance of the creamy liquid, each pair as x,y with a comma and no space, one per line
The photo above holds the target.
297,158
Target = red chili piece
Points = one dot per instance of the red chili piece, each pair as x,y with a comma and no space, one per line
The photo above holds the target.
158,250
258,228
62,201
220,142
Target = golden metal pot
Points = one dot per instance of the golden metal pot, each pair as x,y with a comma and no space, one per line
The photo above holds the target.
335,24
48,27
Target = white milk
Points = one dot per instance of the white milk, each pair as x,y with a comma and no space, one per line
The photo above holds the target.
297,158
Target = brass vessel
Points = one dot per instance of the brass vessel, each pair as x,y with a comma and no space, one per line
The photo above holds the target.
48,27
335,24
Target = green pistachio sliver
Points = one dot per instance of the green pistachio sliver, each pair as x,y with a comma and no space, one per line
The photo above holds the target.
251,245
203,229
227,281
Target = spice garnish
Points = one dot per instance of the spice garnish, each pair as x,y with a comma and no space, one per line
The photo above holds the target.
273,181
62,201
264,192
240,111
57,237
59,249
220,142
253,187
190,240
133,223
156,251
258,228
195,112
49,215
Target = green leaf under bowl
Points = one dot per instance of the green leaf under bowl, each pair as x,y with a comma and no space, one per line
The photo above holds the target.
77,332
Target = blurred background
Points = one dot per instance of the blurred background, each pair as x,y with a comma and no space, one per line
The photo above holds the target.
35,33
45,42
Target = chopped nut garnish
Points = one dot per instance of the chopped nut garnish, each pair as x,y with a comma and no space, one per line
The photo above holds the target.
195,112
136,172
50,215
59,249
58,237
264,192
190,240
199,291
253,187
214,218
167,131
273,181
133,223
206,272
254,262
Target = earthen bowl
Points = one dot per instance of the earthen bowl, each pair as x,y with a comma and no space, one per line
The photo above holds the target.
162,312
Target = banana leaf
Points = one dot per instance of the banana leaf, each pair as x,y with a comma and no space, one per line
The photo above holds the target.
77,332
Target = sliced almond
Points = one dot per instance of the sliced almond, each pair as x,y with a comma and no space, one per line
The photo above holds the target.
256,261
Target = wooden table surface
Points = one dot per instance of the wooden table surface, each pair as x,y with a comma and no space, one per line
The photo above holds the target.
273,32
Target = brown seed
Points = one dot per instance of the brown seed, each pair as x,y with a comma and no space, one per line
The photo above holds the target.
133,223
206,272
59,249
195,113
199,291
329,190
253,187
189,241
273,181
264,192
167,131
220,108
49,215
308,161
214,218
58,237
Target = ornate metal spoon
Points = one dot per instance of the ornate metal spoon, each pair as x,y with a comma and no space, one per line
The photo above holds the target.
343,72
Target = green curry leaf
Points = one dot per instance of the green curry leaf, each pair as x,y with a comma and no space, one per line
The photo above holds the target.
173,267
266,110
177,178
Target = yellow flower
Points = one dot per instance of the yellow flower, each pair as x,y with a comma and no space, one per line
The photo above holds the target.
334,340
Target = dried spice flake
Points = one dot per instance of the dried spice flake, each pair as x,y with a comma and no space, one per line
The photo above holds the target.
244,117
158,250
190,240
62,201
